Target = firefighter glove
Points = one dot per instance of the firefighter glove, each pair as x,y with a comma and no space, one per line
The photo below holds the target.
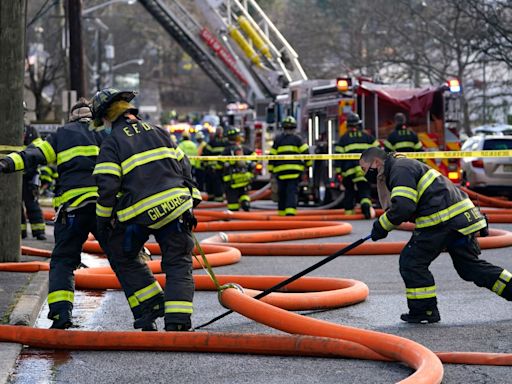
104,230
4,166
189,220
378,232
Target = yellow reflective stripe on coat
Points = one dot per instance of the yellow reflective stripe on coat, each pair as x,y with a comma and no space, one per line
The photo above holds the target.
148,292
425,181
179,307
48,151
151,202
102,211
357,147
288,167
288,176
405,192
85,150
404,144
19,165
502,281
56,296
444,215
388,145
177,212
196,194
303,148
68,195
150,156
384,221
473,227
108,168
288,148
421,293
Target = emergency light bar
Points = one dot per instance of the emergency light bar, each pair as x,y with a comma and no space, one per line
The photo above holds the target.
343,84
454,85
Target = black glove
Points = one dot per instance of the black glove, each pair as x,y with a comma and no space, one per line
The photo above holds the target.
104,231
189,220
4,166
378,232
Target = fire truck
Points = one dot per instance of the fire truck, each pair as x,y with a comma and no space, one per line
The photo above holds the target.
321,108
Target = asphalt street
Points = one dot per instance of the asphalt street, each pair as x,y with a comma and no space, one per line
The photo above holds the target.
473,319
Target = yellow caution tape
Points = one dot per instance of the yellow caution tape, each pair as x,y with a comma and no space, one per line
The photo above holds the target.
356,156
10,148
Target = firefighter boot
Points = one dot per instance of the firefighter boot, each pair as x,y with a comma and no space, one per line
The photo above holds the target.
422,317
246,205
152,309
39,235
365,208
178,327
61,320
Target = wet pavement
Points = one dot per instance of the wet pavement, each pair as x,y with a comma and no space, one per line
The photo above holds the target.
473,319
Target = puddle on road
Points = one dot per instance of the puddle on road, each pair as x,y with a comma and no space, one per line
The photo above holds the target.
38,366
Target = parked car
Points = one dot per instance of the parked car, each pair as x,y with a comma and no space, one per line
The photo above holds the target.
491,175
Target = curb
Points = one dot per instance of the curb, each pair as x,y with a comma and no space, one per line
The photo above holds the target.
24,314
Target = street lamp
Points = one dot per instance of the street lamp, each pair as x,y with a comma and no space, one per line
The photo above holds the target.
106,4
132,61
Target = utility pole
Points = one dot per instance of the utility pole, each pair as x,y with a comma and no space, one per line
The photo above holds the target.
12,58
76,48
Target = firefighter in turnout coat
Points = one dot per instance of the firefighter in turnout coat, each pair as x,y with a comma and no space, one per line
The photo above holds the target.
445,219
145,187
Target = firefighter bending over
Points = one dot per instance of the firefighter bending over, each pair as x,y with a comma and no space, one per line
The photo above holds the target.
356,185
145,187
445,218
288,172
237,173
74,148
402,139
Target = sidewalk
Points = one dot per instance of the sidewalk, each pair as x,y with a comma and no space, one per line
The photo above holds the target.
21,298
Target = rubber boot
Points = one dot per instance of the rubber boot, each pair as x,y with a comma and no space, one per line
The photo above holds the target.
62,320
246,206
424,317
39,235
178,327
365,208
152,309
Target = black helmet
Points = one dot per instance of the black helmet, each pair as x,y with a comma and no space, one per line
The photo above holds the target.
104,98
400,119
353,120
232,133
289,122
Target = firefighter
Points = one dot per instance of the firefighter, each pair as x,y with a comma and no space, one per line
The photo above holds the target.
445,218
214,169
402,139
354,141
48,175
145,187
189,148
74,148
288,172
200,167
30,189
237,173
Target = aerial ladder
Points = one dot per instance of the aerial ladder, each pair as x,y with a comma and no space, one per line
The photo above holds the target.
240,49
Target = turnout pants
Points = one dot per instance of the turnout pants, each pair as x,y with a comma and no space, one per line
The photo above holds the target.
351,194
287,191
237,197
71,231
425,246
214,184
32,209
137,280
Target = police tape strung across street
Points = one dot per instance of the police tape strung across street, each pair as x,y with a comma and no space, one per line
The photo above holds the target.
356,156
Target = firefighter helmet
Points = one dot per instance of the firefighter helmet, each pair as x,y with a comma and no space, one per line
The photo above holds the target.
400,119
289,122
353,120
199,135
232,133
104,98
